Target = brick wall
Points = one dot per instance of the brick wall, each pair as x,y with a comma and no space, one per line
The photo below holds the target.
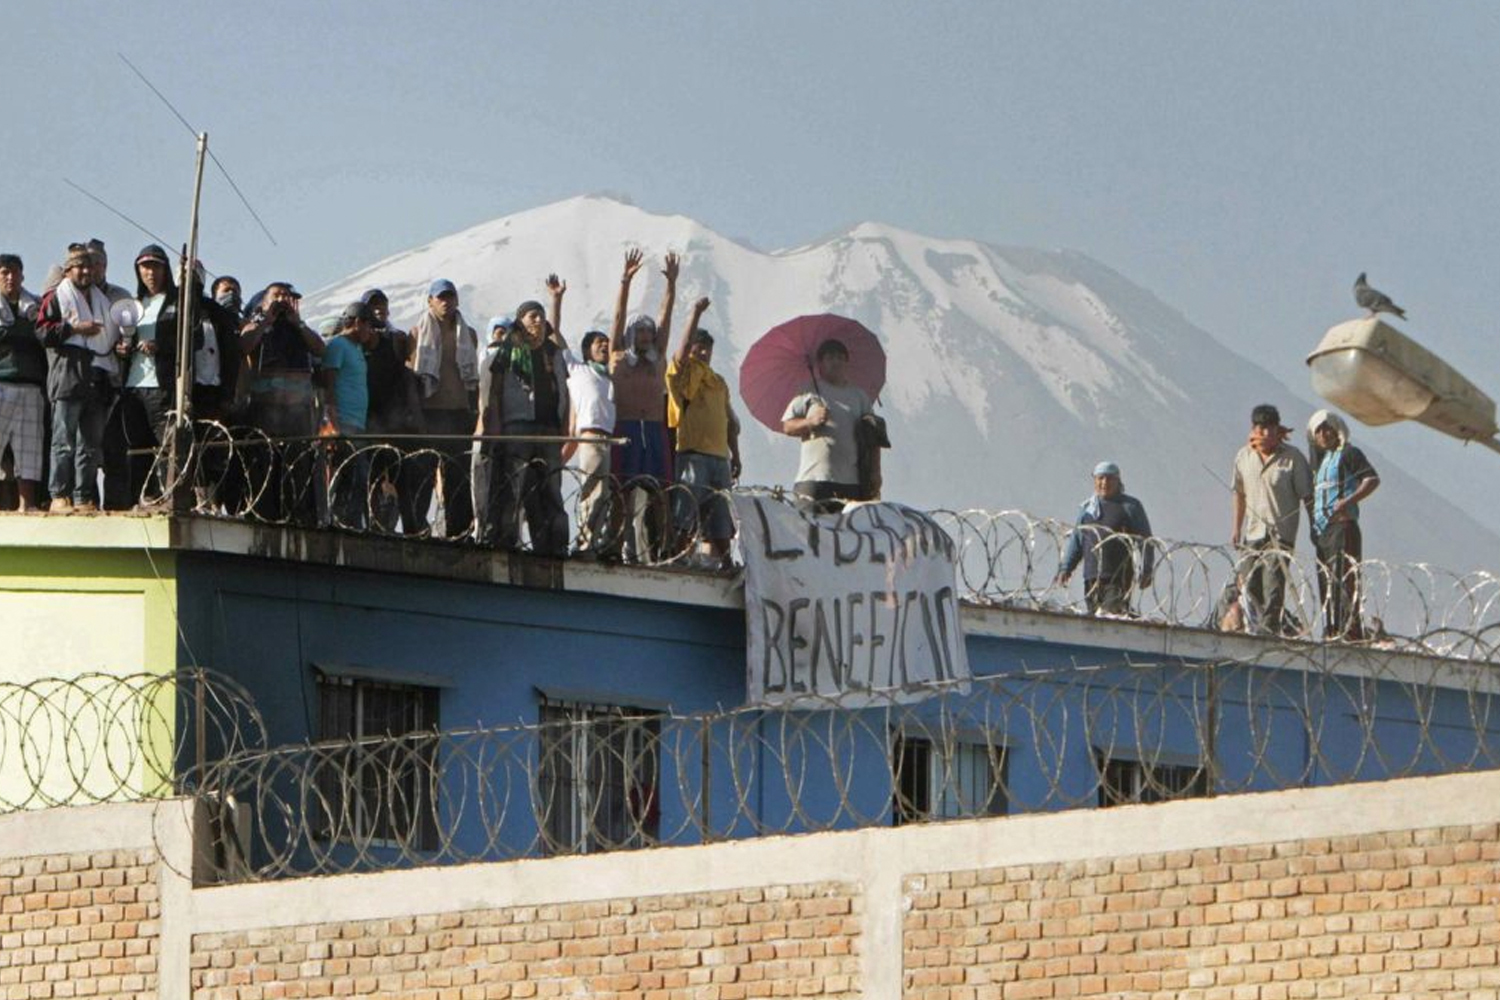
799,940
79,925
1408,913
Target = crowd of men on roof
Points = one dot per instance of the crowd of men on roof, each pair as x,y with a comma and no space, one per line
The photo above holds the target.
88,379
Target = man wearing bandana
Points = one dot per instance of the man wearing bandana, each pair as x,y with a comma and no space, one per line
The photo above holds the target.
1111,535
523,391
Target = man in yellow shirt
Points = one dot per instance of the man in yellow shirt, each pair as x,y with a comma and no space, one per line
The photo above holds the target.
708,441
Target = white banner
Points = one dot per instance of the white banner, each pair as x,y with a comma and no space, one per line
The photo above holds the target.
837,604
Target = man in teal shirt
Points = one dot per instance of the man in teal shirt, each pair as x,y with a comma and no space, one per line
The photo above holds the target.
346,404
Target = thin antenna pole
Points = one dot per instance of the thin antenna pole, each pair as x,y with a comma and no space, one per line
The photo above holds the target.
166,243
185,303
194,132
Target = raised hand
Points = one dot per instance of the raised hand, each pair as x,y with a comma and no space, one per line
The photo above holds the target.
670,266
701,306
635,259
556,286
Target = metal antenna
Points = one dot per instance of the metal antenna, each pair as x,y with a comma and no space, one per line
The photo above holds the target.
93,197
194,132
166,243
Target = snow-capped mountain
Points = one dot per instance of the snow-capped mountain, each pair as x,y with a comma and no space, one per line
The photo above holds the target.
1012,371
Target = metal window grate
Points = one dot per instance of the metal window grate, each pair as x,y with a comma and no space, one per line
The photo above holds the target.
946,781
600,777
1123,781
381,787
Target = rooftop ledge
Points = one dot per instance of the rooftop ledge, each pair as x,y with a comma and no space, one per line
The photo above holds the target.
457,561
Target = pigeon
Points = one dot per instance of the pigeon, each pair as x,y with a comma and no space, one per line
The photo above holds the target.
1374,300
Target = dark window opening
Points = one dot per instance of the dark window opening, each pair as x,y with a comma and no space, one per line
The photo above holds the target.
377,778
1123,781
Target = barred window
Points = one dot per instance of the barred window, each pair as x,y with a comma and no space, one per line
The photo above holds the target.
377,783
599,777
1123,780
946,781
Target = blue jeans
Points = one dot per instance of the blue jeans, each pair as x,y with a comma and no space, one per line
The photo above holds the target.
702,507
77,441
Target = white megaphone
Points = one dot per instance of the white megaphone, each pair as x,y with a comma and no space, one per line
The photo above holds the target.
126,312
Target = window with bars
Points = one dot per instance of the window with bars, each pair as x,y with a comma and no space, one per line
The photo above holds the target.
377,781
946,781
1123,780
599,777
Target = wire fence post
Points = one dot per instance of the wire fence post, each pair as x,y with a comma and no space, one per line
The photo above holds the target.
1211,734
705,780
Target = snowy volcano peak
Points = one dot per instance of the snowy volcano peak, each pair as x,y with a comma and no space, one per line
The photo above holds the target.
1012,371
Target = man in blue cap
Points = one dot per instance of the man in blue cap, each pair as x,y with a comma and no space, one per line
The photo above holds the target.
1112,529
445,358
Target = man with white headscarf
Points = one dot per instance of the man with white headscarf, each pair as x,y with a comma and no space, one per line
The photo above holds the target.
1344,477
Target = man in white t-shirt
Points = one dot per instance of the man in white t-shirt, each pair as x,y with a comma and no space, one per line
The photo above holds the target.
825,418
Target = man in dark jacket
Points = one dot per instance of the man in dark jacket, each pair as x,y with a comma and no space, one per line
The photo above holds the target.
23,376
523,391
149,353
395,408
1112,528
282,348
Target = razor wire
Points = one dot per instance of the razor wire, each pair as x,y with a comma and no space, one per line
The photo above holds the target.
593,779
100,737
1005,558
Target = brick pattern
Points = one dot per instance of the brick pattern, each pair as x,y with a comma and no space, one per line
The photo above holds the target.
79,925
1409,913
800,940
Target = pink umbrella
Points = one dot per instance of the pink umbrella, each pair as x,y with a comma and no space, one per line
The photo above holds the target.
781,365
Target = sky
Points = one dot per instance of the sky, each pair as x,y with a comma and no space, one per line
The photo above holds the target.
1242,161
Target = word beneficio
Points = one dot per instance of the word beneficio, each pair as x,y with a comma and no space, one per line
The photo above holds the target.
836,603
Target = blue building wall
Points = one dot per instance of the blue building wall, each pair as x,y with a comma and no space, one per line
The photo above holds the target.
493,651
266,624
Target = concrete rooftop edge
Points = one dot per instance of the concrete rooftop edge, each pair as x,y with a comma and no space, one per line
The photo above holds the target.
467,563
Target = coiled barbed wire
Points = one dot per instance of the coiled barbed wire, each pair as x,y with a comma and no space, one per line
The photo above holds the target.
1006,558
587,779
100,737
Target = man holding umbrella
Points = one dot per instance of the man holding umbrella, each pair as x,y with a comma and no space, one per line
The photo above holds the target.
814,378
825,418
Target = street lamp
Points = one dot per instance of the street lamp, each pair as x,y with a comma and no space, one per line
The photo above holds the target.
1379,375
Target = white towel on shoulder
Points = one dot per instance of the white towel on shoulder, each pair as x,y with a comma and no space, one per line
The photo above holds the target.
429,336
90,306
28,304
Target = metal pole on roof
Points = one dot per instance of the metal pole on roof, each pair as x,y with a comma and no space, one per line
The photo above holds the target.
185,319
